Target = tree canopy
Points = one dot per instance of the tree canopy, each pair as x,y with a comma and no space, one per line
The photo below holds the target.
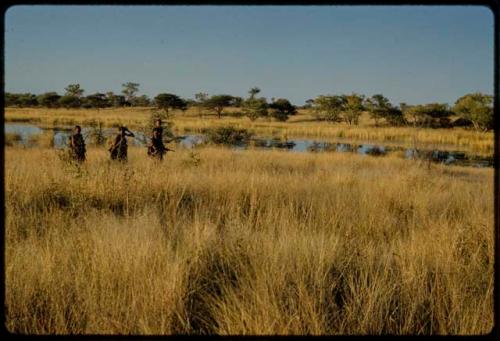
476,107
254,108
281,109
328,107
353,107
430,115
69,101
129,90
97,100
217,103
74,90
168,102
49,99
380,107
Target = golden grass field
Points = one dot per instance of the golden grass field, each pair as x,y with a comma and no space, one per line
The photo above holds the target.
301,125
246,242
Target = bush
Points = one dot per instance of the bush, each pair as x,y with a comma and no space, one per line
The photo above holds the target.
228,136
234,114
462,122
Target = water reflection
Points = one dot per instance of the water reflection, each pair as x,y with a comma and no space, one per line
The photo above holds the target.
25,131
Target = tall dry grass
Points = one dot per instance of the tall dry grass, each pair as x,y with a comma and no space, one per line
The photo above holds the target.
12,138
302,125
252,242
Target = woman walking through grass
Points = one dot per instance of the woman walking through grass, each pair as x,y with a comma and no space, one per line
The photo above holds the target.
156,148
119,149
77,145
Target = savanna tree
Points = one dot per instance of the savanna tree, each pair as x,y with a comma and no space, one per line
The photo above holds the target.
21,100
431,115
255,107
129,90
352,108
27,100
74,90
200,98
476,107
97,100
168,102
70,101
236,102
119,101
328,107
115,100
308,103
11,99
217,103
394,116
141,101
253,92
281,109
49,99
378,105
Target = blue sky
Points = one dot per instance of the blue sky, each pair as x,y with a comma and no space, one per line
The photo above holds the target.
412,54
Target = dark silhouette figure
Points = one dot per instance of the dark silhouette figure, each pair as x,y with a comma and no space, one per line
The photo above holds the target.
77,145
156,148
118,150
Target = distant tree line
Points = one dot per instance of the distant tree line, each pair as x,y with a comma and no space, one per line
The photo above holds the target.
74,98
475,109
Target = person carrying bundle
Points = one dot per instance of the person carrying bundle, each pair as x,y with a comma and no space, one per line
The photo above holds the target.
118,151
156,148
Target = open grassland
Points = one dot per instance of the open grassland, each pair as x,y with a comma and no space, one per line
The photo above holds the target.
252,242
301,125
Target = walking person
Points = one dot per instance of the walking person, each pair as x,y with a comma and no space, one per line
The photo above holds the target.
77,145
118,151
156,148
